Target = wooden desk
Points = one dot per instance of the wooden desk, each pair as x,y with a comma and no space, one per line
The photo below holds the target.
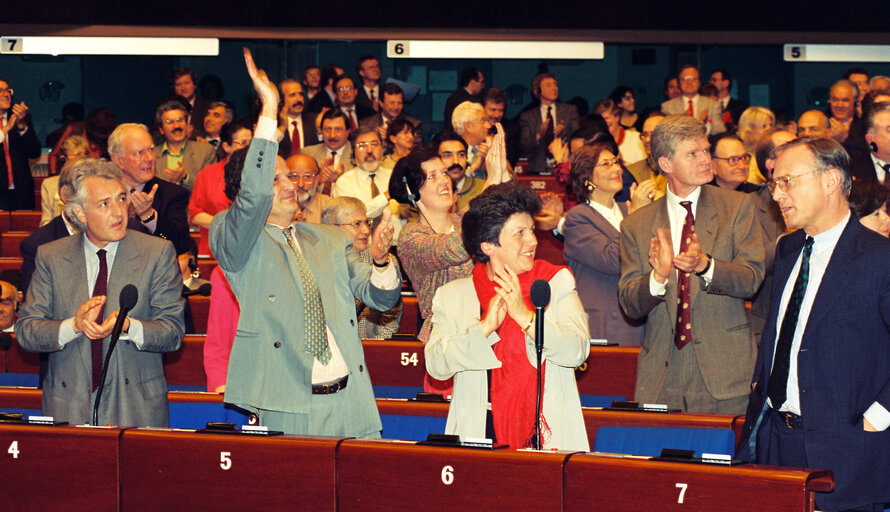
609,371
9,245
59,468
395,476
181,470
625,485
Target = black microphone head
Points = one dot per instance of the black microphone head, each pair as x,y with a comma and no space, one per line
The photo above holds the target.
540,293
129,297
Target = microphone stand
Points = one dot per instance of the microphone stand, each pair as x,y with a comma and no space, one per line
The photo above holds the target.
539,352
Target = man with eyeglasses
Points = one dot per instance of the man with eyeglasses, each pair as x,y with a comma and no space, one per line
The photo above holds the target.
821,388
688,263
691,103
368,181
731,162
346,91
18,143
332,155
645,168
349,214
178,159
303,173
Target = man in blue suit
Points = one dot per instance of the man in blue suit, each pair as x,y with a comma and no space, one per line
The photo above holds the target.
821,389
297,360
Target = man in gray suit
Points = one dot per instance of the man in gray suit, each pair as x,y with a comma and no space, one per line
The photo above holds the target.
297,360
178,159
539,126
60,317
692,103
698,353
334,154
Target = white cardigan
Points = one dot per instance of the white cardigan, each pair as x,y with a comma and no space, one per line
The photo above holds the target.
457,347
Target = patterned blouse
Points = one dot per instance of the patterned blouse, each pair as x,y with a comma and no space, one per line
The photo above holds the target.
431,260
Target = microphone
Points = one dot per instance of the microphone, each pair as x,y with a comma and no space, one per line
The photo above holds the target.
128,298
203,290
540,297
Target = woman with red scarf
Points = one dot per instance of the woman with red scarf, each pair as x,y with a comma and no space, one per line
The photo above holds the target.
483,331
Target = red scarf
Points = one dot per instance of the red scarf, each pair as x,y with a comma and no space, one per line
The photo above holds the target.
514,384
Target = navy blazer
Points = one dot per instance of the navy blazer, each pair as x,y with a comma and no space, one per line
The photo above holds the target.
843,365
171,202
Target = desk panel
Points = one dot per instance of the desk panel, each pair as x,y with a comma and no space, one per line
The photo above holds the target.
181,470
395,363
627,485
395,476
609,371
59,468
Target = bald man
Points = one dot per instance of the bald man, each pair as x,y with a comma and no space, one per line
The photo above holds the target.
814,123
303,173
9,301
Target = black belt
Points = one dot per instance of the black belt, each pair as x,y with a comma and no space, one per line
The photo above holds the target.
791,420
330,389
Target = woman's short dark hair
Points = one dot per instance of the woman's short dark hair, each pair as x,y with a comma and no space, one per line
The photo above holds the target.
489,212
617,94
408,176
232,173
867,197
583,163
397,126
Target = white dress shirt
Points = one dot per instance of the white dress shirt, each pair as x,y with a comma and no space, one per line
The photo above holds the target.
67,333
676,217
823,247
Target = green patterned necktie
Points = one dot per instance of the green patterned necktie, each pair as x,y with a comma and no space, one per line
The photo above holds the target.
778,380
316,333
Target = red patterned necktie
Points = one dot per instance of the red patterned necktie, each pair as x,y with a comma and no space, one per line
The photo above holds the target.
99,289
10,181
683,331
690,111
295,139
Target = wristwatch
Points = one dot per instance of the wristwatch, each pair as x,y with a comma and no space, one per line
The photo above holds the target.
707,267
150,217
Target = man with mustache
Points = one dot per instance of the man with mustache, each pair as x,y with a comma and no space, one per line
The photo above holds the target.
303,173
295,126
368,181
178,159
333,154
453,151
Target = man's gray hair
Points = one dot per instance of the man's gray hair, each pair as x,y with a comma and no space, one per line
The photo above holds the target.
827,154
79,172
848,83
877,108
230,112
466,112
336,210
673,129
116,139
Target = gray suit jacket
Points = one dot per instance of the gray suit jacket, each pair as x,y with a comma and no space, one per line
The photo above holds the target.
591,251
715,113
317,151
728,229
530,123
135,388
196,156
269,367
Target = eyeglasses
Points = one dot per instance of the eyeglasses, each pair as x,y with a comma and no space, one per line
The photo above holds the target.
358,224
296,178
345,88
733,160
688,78
7,90
785,182
178,120
609,163
366,145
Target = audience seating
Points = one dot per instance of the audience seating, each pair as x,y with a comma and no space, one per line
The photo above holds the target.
652,440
